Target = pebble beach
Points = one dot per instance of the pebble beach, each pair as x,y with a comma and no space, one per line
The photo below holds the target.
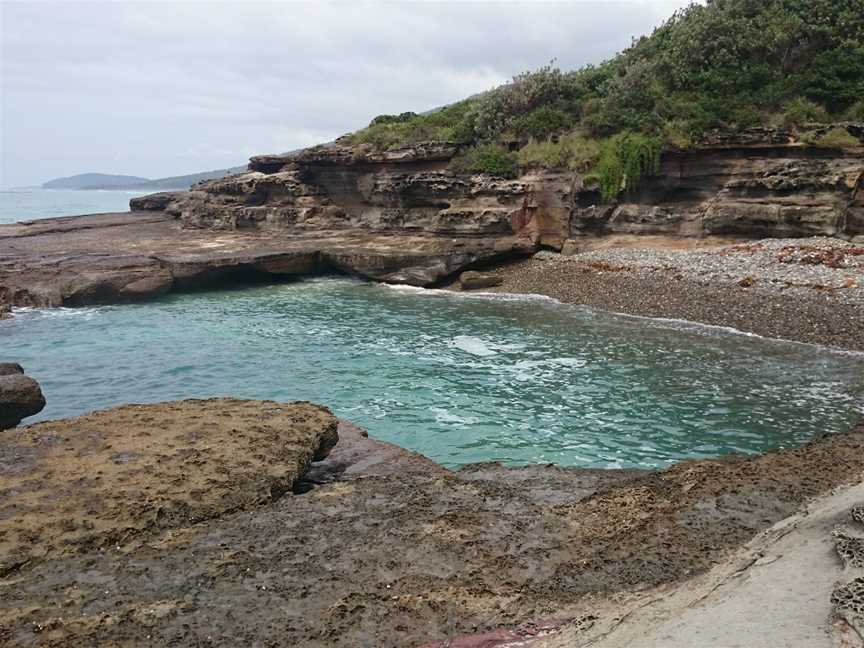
807,290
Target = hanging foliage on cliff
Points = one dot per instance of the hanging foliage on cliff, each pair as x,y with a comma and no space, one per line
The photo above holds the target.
626,159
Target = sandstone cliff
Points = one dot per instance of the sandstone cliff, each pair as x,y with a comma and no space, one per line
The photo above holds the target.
403,216
755,183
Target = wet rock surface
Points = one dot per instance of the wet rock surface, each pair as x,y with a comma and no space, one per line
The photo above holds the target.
20,395
383,548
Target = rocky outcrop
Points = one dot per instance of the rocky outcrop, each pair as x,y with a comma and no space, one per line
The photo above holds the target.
478,280
402,216
153,202
848,598
756,183
20,395
110,258
399,192
133,472
172,531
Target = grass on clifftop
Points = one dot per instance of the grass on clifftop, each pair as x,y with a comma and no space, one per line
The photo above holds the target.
728,64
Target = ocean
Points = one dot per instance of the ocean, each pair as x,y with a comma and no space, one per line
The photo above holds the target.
29,204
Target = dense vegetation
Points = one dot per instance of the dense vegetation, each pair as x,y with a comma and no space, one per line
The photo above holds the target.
724,64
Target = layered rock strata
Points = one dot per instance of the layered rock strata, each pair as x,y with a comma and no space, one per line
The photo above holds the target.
111,258
402,216
753,184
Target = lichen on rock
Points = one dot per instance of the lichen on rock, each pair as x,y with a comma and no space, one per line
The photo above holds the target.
129,473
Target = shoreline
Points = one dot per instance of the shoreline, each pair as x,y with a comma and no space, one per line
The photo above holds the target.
801,290
827,317
673,323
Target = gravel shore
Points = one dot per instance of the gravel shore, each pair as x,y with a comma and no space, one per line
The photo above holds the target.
807,290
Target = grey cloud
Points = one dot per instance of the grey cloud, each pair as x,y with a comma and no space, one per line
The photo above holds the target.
161,89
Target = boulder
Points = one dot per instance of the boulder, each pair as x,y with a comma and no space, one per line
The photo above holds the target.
476,280
20,395
154,202
572,247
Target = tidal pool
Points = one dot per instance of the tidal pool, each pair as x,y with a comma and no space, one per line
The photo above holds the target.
459,378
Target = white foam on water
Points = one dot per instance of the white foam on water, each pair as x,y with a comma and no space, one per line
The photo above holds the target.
447,417
568,362
54,313
471,344
665,322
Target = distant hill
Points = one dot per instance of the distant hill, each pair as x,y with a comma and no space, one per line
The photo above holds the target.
184,181
103,181
94,181
106,181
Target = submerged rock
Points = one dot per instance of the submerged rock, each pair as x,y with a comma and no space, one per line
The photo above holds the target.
20,395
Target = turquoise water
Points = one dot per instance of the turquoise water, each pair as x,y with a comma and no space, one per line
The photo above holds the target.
458,378
21,205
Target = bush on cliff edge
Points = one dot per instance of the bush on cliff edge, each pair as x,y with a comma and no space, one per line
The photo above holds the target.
722,64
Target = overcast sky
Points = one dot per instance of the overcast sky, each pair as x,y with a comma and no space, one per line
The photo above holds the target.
158,89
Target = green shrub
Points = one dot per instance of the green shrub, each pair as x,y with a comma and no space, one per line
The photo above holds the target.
492,159
498,110
802,111
625,160
677,134
745,117
452,123
546,154
836,138
542,122
717,64
393,119
855,112
835,78
570,151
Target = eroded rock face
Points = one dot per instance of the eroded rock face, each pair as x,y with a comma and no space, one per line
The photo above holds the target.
762,184
153,202
398,192
848,598
20,395
757,183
